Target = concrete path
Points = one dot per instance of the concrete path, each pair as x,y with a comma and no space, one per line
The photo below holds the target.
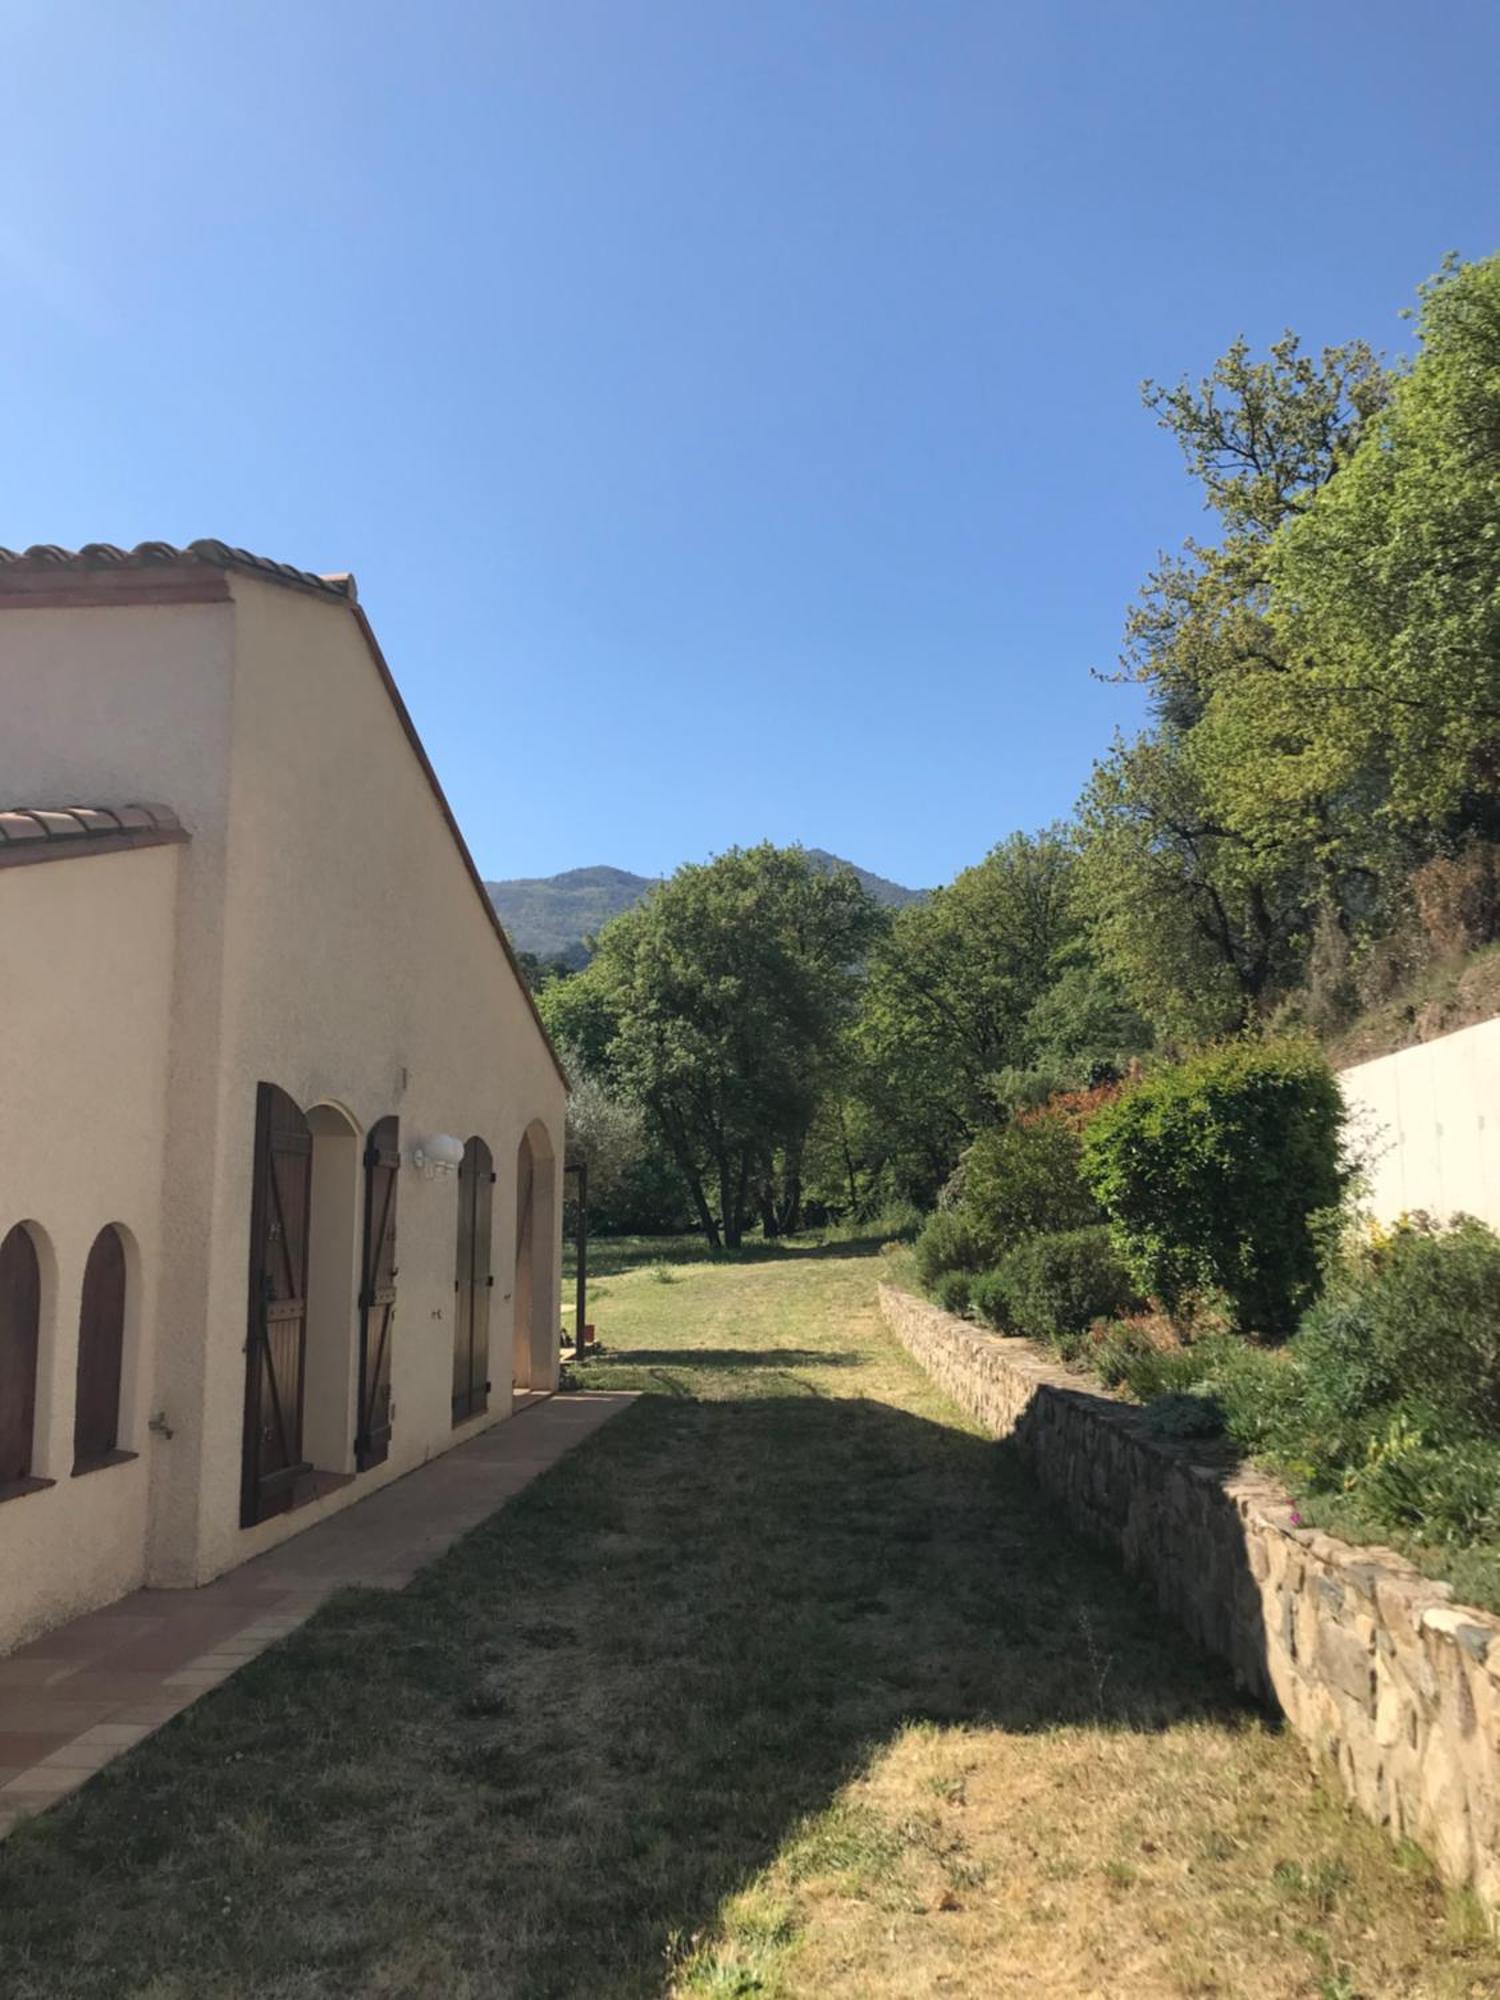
73,1700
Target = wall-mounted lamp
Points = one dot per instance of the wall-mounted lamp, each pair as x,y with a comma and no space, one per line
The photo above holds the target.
438,1156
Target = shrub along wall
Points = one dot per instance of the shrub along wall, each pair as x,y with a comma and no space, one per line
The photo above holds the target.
1372,1664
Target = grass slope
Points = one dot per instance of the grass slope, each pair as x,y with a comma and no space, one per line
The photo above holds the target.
785,1684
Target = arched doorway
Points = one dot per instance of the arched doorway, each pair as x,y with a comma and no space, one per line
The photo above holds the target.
300,1374
533,1294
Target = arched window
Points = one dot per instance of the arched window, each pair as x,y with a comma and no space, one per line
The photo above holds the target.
101,1351
20,1322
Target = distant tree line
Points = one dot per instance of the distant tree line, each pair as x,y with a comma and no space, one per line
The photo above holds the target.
1312,809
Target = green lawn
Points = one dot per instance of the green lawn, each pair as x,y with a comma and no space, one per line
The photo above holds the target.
784,1684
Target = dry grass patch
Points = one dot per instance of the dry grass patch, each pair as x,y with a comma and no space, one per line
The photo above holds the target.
1092,1862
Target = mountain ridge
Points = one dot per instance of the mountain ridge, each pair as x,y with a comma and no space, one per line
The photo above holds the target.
552,915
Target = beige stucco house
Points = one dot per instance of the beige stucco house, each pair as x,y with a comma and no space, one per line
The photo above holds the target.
262,1028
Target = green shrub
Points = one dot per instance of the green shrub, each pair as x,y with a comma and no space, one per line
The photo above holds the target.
990,1299
1212,1169
1127,1360
1024,1179
1260,1391
1054,1287
949,1242
1446,1493
1414,1323
950,1289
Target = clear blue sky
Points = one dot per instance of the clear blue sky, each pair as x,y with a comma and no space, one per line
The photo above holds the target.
730,410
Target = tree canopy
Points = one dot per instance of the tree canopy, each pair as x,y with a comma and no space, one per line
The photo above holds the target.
719,1005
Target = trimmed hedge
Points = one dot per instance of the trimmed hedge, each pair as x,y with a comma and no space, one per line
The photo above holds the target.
1212,1170
1053,1287
1026,1179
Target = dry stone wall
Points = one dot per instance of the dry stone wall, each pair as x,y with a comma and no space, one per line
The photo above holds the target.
1372,1664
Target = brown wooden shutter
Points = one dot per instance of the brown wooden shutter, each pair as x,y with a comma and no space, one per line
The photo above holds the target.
463,1291
471,1283
101,1349
484,1206
275,1349
20,1322
377,1294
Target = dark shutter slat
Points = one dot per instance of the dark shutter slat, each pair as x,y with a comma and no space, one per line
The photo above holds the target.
276,1344
377,1293
20,1321
471,1299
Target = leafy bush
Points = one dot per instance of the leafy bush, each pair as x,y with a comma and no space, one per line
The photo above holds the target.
1412,1322
1054,1287
1212,1169
1128,1358
1447,1493
949,1241
989,1297
950,1289
1024,1179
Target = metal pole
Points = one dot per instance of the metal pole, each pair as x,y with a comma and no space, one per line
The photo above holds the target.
580,1336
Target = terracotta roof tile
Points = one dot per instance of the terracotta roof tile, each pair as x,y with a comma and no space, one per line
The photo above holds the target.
45,557
44,833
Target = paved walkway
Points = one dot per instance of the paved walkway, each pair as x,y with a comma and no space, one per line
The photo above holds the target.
75,1699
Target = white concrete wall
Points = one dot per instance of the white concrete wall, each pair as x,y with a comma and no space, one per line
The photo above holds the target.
329,939
104,705
87,945
1426,1125
360,970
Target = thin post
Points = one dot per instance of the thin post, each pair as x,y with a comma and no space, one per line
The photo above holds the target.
582,1259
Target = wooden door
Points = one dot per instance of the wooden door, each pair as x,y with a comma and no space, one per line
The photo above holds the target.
280,1209
472,1280
20,1323
377,1294
101,1351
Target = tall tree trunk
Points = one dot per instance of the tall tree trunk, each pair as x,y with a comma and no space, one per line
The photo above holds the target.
848,1163
671,1130
791,1189
729,1203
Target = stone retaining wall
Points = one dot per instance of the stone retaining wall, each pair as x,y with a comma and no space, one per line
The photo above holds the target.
1371,1663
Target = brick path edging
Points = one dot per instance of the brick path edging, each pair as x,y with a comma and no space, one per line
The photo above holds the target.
1374,1667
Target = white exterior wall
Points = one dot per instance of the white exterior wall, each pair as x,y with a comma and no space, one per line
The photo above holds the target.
360,971
1425,1123
329,939
88,950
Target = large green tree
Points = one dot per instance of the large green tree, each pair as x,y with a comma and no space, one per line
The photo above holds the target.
962,994
1204,909
719,1004
1387,590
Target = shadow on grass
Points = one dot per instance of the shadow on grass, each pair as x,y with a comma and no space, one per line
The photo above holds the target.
613,1256
543,1766
730,1360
